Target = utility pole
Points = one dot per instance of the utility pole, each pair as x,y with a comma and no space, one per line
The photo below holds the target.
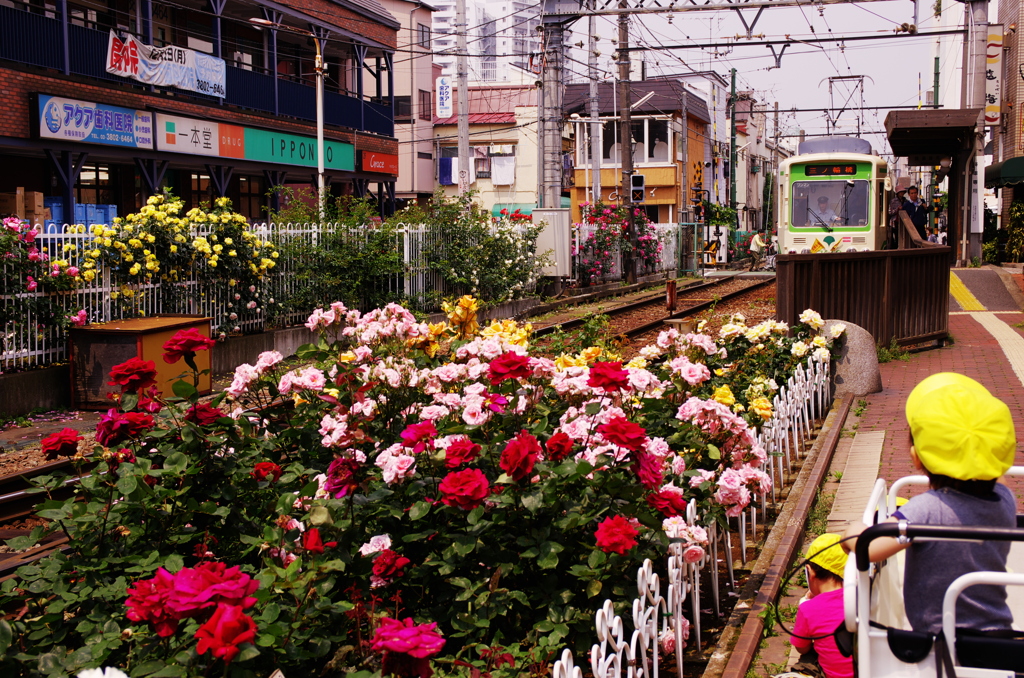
732,143
973,96
626,142
462,84
596,150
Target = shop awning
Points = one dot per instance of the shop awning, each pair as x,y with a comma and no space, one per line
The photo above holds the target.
1009,172
523,207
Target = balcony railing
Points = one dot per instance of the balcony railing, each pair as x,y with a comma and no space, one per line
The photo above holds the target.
35,40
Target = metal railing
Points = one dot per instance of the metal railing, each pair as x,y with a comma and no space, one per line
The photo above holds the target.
900,295
667,260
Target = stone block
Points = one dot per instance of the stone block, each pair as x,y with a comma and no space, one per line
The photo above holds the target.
855,370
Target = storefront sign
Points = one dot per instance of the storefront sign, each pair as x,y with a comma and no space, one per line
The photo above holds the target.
444,97
379,162
169,66
176,134
92,123
993,74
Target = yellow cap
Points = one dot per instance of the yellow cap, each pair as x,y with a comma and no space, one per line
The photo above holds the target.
960,429
826,552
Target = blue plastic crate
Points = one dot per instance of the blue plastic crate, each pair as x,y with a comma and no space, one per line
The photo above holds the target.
81,214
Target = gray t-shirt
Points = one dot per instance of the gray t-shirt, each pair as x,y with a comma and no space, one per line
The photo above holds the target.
933,565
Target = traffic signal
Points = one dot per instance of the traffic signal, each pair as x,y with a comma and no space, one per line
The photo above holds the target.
637,189
698,203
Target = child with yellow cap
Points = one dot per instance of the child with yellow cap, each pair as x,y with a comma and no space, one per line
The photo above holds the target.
821,614
963,439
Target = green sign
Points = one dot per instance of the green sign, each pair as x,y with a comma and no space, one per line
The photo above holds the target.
291,149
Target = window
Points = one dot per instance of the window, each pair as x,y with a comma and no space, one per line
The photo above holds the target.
251,197
424,156
426,105
817,204
94,186
424,35
403,108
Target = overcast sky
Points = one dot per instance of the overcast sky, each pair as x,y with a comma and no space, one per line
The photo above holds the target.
891,66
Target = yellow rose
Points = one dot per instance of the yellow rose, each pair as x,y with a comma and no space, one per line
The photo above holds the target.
174,248
723,394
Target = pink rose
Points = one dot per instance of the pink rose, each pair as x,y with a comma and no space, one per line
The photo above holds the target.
693,554
407,637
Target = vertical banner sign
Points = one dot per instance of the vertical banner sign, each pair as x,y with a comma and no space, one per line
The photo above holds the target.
444,97
993,74
166,66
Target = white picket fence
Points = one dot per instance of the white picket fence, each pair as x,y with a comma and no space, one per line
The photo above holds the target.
659,611
668,235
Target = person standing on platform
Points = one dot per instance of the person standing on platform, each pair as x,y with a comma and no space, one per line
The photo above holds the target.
917,210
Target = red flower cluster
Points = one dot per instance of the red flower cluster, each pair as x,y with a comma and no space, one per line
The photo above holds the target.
116,427
406,646
608,376
63,443
133,375
312,542
203,414
464,489
419,436
185,344
389,565
509,366
264,470
615,535
460,451
669,503
520,455
122,456
558,447
168,598
624,433
648,468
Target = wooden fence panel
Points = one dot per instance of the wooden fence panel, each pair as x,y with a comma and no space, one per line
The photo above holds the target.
893,294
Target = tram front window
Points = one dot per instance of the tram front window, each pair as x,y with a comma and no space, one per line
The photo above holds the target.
829,204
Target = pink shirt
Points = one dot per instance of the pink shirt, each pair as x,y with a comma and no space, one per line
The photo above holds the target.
821,616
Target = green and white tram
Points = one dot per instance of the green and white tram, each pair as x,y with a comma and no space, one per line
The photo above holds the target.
833,198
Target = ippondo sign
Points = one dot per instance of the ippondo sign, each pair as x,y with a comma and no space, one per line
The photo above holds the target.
379,162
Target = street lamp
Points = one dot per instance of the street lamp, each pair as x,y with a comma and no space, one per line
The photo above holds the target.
319,67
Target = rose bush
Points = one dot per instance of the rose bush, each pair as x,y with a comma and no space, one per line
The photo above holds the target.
393,476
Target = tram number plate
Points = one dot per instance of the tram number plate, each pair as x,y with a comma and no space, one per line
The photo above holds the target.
829,170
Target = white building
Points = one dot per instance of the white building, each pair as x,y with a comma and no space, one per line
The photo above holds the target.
501,35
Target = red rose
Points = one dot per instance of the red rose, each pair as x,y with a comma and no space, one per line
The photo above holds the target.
419,436
520,455
264,470
648,468
509,366
147,603
460,451
207,584
615,535
624,433
203,414
184,344
63,443
669,503
122,456
341,477
464,489
148,401
608,376
406,647
133,375
228,628
558,446
389,565
115,427
311,541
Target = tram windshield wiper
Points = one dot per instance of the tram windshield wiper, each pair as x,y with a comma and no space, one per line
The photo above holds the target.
819,220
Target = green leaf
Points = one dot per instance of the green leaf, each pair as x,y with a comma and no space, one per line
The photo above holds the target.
418,510
129,401
173,562
183,389
713,452
127,485
249,651
548,557
148,668
319,515
170,671
6,636
475,515
592,409
464,544
533,502
597,558
594,588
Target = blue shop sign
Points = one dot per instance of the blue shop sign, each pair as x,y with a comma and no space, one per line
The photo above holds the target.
92,123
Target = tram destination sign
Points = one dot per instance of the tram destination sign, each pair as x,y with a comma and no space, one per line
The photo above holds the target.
836,170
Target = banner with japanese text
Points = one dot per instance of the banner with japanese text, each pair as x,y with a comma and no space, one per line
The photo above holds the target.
93,123
993,74
169,66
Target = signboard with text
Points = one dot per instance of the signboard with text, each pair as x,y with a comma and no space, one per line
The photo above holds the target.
993,74
177,134
169,66
379,162
443,87
92,123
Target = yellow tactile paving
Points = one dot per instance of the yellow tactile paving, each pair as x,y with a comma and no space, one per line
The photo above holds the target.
1009,340
963,296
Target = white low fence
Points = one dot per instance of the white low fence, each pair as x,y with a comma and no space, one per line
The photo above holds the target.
656,616
668,260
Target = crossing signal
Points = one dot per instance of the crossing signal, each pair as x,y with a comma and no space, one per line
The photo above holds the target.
698,203
637,188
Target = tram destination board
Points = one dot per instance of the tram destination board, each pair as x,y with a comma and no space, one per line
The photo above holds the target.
834,170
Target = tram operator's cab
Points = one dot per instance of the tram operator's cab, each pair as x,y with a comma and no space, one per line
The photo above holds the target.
833,198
